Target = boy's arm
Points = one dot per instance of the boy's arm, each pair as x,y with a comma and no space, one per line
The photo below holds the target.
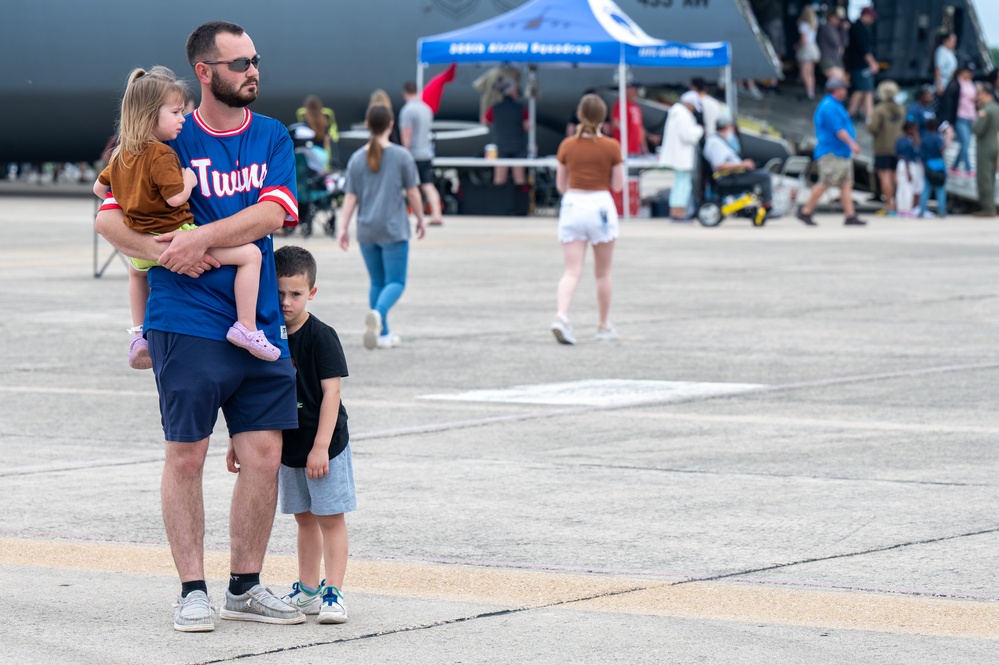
317,465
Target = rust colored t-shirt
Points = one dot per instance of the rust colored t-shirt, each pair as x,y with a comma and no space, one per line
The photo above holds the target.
142,187
589,161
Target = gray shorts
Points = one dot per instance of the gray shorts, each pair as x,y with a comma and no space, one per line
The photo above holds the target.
331,495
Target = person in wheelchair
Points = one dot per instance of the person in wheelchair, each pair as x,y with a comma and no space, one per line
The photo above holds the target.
729,171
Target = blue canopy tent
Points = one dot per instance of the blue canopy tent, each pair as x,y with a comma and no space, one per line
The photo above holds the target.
571,33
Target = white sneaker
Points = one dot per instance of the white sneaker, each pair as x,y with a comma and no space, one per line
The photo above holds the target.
388,341
926,214
372,328
302,600
607,334
562,330
194,614
333,609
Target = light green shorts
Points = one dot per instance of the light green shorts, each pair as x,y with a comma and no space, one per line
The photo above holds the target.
145,264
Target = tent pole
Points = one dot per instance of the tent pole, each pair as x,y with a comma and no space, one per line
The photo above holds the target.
622,108
419,77
532,115
731,94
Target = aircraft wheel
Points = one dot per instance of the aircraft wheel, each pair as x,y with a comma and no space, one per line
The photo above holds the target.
709,214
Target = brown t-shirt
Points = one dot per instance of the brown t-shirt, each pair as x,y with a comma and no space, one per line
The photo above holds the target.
589,161
142,187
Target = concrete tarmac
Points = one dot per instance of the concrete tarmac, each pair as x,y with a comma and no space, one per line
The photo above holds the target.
789,456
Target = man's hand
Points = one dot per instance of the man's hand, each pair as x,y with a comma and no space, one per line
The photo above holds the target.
185,253
231,461
343,239
318,463
421,228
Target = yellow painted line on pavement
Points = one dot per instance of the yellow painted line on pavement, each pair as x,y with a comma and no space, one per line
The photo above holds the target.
714,601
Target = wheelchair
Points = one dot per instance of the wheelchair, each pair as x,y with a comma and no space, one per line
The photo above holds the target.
721,201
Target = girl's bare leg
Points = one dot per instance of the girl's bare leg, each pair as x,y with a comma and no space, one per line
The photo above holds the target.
246,258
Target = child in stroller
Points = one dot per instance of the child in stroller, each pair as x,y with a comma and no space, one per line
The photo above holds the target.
319,189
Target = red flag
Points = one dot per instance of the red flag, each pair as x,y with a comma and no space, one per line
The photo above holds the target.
435,87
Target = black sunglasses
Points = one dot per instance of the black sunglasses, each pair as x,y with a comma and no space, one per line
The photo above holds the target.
237,65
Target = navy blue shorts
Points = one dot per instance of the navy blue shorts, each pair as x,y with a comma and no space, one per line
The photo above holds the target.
862,80
426,170
196,377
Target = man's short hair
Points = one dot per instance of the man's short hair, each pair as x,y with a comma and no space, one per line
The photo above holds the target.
409,87
698,84
292,260
201,43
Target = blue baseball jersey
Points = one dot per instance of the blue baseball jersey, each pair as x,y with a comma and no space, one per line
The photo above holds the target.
235,170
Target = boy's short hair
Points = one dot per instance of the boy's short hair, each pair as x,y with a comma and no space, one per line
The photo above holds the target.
292,260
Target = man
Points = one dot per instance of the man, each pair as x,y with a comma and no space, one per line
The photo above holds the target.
985,129
730,169
246,190
836,144
510,123
710,107
861,64
415,120
633,113
680,151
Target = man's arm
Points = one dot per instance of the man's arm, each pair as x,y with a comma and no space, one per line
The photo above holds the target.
844,136
187,249
406,136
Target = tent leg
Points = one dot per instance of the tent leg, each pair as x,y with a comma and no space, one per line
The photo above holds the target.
622,107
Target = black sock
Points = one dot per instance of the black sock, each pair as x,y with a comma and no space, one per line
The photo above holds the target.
242,582
195,585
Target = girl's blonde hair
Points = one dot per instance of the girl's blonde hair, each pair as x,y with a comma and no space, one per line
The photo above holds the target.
379,96
378,119
145,93
808,16
592,112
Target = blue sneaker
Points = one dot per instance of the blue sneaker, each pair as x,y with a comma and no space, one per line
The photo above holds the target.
333,609
302,600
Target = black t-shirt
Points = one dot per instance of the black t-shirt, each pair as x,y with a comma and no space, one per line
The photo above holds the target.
861,43
317,354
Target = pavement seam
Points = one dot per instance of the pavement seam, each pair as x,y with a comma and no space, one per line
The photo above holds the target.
845,555
431,625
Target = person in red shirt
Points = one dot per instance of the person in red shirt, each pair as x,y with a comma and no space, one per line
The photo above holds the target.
637,144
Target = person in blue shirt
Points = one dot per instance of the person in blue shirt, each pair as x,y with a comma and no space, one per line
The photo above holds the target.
921,111
836,145
931,149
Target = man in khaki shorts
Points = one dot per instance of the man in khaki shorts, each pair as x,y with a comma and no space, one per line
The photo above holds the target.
836,145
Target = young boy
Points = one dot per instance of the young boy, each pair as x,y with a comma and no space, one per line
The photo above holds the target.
316,478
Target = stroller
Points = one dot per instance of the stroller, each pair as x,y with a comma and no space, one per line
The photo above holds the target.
319,191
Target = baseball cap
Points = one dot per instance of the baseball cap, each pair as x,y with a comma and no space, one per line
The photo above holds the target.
692,98
869,11
835,84
724,120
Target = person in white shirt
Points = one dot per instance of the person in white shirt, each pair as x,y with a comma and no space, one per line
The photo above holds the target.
679,151
944,62
711,108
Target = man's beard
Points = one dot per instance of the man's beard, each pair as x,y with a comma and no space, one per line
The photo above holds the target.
232,97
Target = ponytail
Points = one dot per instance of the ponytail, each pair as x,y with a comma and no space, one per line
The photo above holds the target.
378,119
592,112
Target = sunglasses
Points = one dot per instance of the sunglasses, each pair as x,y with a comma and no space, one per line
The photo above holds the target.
237,65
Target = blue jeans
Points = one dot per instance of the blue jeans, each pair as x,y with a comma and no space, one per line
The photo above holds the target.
963,128
924,198
387,264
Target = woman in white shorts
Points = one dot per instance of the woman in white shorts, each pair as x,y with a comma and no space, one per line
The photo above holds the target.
589,167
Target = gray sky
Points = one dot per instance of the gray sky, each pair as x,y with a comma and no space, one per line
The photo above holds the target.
988,14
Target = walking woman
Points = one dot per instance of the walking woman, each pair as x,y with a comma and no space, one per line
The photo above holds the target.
807,50
589,166
381,178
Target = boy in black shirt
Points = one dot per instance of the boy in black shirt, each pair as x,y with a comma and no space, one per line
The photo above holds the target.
316,479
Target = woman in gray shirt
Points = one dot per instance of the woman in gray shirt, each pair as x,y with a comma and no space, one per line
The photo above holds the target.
381,178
